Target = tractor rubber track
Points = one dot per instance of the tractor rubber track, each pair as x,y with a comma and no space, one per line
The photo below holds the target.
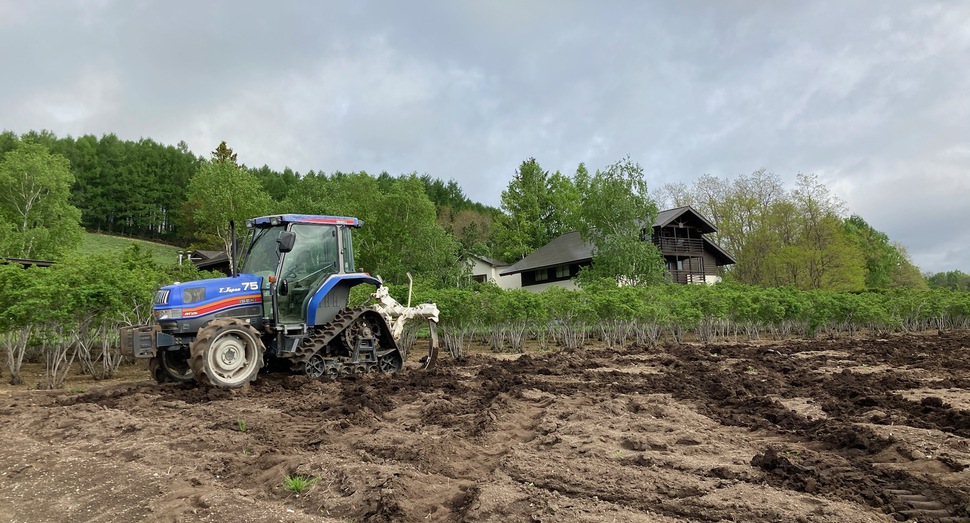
318,339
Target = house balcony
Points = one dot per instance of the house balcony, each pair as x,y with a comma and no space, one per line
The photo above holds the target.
688,277
675,246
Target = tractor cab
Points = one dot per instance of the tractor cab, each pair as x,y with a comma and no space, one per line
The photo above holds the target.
295,256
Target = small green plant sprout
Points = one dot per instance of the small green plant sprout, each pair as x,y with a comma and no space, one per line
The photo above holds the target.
241,424
298,483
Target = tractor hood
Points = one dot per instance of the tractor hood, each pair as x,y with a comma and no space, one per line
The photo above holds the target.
204,297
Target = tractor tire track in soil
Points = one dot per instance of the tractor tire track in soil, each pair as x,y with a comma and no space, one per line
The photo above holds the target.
862,429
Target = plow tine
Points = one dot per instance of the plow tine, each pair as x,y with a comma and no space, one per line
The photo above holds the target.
432,357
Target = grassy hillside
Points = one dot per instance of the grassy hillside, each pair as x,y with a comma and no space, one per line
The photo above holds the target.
94,243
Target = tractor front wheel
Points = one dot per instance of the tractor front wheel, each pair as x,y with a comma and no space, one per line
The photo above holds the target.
171,366
227,353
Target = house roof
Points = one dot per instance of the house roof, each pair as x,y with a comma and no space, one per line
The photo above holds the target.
568,248
490,261
721,257
686,215
212,260
204,255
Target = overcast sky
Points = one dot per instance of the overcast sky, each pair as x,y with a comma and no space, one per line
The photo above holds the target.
871,96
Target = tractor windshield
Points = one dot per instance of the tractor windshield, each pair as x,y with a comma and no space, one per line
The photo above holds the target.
263,255
314,254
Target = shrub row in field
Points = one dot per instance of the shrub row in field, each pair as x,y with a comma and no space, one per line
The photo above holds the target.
644,314
72,310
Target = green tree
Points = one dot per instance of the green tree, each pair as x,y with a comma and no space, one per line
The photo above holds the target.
953,280
412,241
887,264
792,239
36,217
400,232
536,207
276,184
224,154
222,192
736,207
616,214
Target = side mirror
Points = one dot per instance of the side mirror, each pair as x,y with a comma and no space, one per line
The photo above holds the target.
284,288
286,240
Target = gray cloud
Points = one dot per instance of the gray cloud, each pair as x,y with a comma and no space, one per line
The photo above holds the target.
872,97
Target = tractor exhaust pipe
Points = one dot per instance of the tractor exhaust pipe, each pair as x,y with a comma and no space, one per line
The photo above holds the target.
233,249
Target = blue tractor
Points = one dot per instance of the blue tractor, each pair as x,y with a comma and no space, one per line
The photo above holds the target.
285,308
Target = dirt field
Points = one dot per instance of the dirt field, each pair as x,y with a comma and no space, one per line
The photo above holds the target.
825,430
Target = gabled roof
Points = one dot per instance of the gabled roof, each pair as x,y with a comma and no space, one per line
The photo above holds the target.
686,215
490,261
721,257
204,255
211,260
566,249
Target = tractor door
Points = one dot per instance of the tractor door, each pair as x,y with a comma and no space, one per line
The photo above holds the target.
314,257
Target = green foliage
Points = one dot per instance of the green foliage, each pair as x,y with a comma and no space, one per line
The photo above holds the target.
701,312
459,308
800,240
795,237
94,243
953,280
887,265
400,232
17,298
222,192
520,306
130,188
37,220
298,484
224,154
276,184
537,207
614,215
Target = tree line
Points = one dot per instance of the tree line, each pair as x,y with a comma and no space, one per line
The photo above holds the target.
419,224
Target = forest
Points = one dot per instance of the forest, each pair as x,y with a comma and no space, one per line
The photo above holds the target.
805,265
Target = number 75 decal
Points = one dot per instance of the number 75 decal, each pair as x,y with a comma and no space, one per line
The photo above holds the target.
250,285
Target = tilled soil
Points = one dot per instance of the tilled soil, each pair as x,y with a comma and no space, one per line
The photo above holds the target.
822,430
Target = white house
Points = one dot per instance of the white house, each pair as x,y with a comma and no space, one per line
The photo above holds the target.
489,270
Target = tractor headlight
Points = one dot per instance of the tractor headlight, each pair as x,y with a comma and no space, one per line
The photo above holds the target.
193,294
168,314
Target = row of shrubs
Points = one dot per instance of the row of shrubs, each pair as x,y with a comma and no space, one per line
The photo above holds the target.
72,312
645,315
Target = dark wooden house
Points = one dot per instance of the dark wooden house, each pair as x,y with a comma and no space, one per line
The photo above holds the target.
690,256
677,233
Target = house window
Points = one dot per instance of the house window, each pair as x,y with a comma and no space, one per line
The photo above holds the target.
480,278
549,275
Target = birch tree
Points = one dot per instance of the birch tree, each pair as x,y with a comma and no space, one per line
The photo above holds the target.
36,217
